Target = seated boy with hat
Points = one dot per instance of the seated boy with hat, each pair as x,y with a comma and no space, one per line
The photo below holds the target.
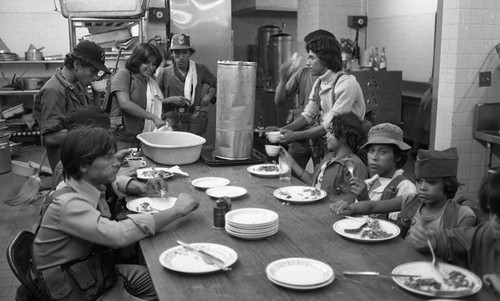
386,154
475,248
432,205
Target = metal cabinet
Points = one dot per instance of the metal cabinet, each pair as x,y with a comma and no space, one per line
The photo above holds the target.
382,92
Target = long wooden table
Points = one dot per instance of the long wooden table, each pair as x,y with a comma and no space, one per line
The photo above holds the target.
305,230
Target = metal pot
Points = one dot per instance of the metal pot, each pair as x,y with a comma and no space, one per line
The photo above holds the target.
33,83
33,56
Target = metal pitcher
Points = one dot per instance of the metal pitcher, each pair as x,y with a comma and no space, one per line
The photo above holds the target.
235,110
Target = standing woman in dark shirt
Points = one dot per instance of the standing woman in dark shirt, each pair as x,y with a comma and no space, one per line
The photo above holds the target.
136,97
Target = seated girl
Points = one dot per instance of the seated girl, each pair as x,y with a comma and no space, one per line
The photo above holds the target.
386,155
432,206
332,174
476,248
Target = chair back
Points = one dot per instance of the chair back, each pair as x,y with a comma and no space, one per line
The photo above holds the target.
19,257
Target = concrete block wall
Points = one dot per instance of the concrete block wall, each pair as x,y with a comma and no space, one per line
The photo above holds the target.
469,35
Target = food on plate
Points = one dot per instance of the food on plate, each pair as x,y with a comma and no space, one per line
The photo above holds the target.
356,230
155,173
268,168
305,194
374,230
456,280
145,207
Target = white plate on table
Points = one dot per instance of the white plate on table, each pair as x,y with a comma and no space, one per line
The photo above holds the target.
209,182
251,217
155,204
386,226
264,170
183,260
300,273
150,173
299,194
425,269
226,191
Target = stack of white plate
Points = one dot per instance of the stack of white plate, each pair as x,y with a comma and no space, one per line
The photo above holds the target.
251,223
300,273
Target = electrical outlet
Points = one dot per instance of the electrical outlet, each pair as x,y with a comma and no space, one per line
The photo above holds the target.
357,21
485,79
158,14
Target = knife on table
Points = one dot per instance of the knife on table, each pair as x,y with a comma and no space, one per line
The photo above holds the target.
370,273
207,257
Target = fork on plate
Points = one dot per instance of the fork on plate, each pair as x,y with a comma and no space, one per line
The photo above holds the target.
435,263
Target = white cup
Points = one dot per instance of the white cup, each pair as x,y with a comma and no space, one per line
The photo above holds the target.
136,162
274,136
285,165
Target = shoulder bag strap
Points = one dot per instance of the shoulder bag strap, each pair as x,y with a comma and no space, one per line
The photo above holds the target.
49,199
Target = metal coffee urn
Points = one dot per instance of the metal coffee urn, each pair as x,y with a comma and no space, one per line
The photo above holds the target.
280,50
234,124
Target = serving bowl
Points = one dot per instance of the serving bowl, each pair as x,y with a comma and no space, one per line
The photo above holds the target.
171,148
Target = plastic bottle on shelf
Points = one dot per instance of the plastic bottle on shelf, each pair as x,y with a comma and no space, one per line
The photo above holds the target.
383,61
376,60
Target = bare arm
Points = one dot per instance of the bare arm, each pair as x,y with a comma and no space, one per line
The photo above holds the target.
184,205
314,132
370,207
133,109
55,138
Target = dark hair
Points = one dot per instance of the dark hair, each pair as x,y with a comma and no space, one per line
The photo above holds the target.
70,58
450,185
328,51
489,194
320,33
82,146
141,55
349,129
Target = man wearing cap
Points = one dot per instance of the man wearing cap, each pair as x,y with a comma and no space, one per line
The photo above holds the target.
386,154
66,91
182,84
432,206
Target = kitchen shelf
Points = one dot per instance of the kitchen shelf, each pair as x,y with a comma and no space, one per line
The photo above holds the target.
24,62
17,92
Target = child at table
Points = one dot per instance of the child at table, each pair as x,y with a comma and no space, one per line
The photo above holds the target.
386,155
476,248
432,206
331,174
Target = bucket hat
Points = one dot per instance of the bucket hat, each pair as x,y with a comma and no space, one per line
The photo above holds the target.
180,41
436,164
93,53
386,133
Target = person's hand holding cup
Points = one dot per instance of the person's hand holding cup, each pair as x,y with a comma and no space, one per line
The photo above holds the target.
273,136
